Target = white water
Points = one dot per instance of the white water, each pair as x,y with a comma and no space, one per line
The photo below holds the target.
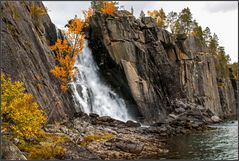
91,95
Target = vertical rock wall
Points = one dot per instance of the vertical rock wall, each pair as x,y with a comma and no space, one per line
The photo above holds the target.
26,56
155,68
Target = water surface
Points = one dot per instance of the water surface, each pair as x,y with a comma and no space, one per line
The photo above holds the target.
218,144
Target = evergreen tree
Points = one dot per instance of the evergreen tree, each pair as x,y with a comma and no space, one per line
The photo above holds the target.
213,44
171,21
207,35
132,10
97,5
185,20
142,14
197,31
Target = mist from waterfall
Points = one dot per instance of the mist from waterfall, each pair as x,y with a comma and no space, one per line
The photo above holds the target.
91,94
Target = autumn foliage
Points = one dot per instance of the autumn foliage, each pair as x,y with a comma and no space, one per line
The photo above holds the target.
108,8
160,17
37,13
67,50
21,115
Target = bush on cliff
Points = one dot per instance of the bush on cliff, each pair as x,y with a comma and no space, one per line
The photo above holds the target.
21,115
37,13
22,120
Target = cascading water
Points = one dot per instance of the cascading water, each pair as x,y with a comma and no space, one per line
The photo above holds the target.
91,94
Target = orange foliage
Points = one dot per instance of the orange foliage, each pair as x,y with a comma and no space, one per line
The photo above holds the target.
66,53
108,8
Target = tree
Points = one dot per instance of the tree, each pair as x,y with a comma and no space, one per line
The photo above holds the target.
207,36
185,20
20,114
66,51
223,59
159,16
213,44
197,31
108,8
171,21
97,5
234,68
178,28
132,10
142,14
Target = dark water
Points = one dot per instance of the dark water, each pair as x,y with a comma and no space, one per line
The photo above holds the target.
218,144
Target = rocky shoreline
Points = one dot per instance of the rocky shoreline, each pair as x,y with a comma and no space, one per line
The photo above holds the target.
94,137
129,140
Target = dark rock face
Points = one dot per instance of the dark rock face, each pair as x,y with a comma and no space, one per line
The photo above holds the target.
151,67
27,56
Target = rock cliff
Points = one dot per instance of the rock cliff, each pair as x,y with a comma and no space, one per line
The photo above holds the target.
154,70
26,55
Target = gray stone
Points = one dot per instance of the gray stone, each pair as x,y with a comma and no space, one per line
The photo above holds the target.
215,118
11,151
180,110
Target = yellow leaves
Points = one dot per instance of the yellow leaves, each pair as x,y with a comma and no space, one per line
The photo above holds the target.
75,26
153,13
104,136
45,147
37,13
108,8
20,113
66,53
159,16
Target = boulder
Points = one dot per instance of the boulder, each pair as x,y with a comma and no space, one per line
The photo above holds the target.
11,151
173,116
129,146
130,123
179,110
215,119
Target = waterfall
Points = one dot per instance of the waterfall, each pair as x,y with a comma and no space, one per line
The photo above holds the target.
91,94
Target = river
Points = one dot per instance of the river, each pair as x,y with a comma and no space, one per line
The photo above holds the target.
220,143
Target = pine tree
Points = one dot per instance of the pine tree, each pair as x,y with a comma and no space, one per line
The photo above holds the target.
97,5
207,35
197,31
171,21
213,44
142,14
185,20
132,10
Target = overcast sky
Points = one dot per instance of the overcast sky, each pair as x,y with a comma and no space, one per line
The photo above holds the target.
220,17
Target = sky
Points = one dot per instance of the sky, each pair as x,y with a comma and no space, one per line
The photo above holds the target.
220,17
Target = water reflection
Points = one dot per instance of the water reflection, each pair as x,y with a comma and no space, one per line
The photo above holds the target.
221,143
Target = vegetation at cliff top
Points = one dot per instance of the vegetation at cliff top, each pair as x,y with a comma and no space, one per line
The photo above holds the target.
183,23
108,8
105,7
